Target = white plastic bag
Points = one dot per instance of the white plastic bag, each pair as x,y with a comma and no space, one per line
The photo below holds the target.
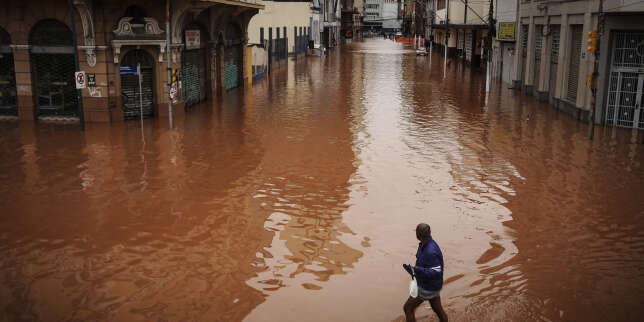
413,288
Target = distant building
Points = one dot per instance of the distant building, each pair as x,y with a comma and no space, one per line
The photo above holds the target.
381,15
459,27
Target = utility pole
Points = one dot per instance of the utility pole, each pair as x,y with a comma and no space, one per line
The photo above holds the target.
79,92
593,87
490,34
167,50
446,37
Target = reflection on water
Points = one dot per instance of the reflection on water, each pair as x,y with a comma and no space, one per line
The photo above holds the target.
297,199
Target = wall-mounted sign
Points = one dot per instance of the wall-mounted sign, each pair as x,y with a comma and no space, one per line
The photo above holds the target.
91,80
81,82
506,31
193,39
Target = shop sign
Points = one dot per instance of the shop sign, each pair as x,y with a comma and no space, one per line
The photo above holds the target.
193,39
91,80
506,31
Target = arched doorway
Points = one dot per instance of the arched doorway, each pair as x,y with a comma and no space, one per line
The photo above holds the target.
194,71
134,99
52,69
8,95
233,57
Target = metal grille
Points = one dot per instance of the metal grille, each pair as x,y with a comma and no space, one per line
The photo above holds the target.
524,48
52,69
626,84
8,98
194,76
130,92
538,44
628,50
232,67
459,43
573,63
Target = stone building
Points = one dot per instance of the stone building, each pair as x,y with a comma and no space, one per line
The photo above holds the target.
208,40
553,63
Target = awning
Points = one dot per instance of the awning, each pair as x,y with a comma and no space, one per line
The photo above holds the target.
257,4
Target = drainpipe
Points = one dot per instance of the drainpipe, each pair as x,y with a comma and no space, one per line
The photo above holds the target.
167,50
79,96
446,38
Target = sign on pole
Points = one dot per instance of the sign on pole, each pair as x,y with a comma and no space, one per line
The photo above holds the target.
506,31
81,81
128,70
193,39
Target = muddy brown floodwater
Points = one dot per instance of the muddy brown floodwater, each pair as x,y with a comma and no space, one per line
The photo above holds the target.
296,200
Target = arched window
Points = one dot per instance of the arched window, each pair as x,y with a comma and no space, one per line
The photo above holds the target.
52,69
50,32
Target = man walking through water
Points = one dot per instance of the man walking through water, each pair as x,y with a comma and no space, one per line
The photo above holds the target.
428,272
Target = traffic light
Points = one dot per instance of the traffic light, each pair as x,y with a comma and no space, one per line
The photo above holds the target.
174,75
592,41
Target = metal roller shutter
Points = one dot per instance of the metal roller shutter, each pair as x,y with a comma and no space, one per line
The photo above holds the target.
554,57
573,63
232,66
524,50
538,45
194,76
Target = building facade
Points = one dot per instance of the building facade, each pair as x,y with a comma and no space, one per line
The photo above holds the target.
372,20
461,26
295,16
503,46
117,41
554,64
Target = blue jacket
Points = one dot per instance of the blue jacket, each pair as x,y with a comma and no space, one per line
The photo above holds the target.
429,266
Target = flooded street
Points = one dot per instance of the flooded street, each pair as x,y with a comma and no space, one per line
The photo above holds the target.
297,200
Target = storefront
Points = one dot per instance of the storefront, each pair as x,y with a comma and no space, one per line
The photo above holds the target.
51,54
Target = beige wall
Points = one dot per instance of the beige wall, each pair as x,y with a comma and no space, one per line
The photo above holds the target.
280,14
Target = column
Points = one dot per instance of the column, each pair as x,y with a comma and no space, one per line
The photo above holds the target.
24,87
528,78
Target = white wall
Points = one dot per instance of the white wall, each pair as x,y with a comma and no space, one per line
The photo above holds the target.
506,10
280,14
